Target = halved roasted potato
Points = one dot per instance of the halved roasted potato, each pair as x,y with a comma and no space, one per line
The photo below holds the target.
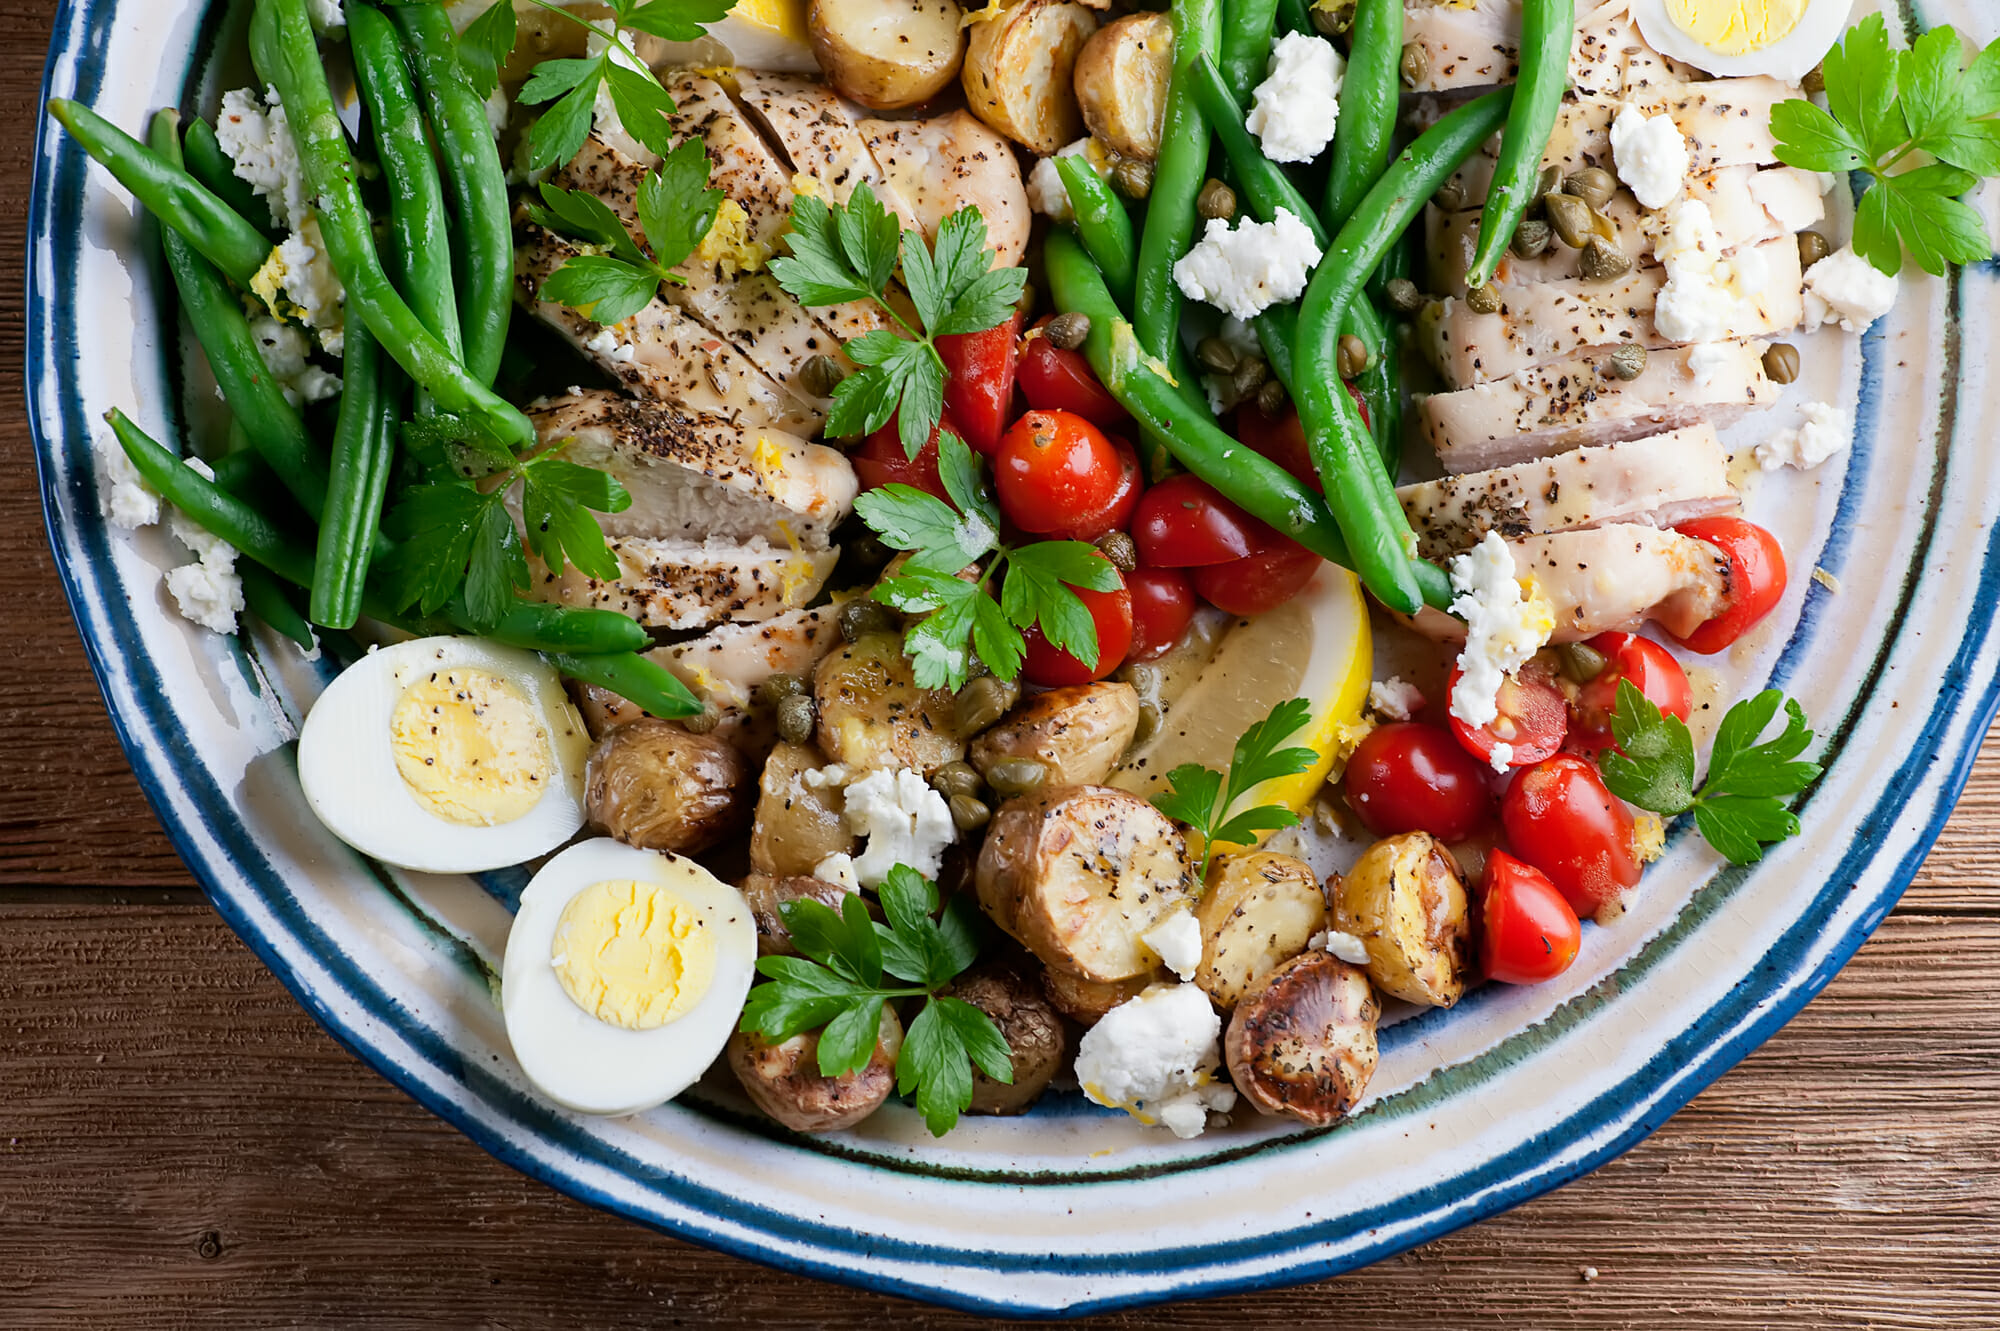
767,897
953,161
1034,1035
785,1082
1079,873
1406,902
1259,911
1302,1040
873,715
1018,71
1121,83
797,825
887,53
655,785
1078,733
1086,1001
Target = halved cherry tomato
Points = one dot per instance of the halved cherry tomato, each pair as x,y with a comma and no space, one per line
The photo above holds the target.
1258,583
1560,818
1112,613
1162,606
1056,380
880,461
1756,579
1533,718
1057,475
1282,438
1184,523
1652,670
1410,777
1530,934
979,380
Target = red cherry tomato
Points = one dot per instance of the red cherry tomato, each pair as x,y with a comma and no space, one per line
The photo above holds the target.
1282,438
1756,579
1056,380
1652,670
1530,934
979,381
1560,818
1056,474
1047,665
1257,583
1410,777
1184,523
1162,606
1533,718
880,461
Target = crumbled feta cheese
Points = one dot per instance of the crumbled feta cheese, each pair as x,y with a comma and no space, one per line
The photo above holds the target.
1792,197
1502,757
1347,947
258,138
607,343
1240,337
832,776
905,821
1295,108
1652,156
1047,194
328,16
284,350
123,495
1155,1057
208,591
1176,941
1246,269
838,869
1826,430
1709,359
1503,628
1706,296
1393,700
498,107
1846,289
310,283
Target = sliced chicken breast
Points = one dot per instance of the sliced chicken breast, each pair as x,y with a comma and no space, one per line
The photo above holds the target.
952,162
675,584
1661,481
819,133
1476,44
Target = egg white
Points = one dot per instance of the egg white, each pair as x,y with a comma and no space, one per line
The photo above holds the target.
348,767
590,1065
1789,58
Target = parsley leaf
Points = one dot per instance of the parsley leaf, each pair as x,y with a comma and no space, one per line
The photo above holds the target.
673,20
676,208
485,45
1201,797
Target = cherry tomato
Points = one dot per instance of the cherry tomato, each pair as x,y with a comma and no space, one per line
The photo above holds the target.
1056,474
1283,440
1184,523
1756,579
880,461
1112,613
1561,819
979,381
1410,777
1162,606
1258,583
1530,934
1533,718
1652,670
1056,380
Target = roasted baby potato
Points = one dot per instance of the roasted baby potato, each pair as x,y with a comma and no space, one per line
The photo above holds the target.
1405,900
767,897
1302,1040
1259,911
797,825
1078,873
1086,1001
1018,71
887,53
654,785
1033,1031
1121,83
950,162
872,714
1078,733
785,1082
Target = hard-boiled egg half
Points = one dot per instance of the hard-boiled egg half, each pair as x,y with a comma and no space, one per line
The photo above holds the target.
756,34
446,755
1728,38
625,974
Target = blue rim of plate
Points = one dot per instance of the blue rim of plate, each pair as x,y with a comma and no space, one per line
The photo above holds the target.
1797,966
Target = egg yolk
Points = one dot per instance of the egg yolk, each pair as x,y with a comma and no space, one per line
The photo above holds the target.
1736,27
636,955
471,747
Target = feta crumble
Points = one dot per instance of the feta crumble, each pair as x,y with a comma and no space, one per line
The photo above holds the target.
328,16
1047,194
123,495
1709,359
1825,431
1706,296
1344,946
256,135
1176,941
1792,197
1501,759
1846,289
1393,700
1294,110
1155,1057
1246,269
905,821
309,282
607,343
838,869
1503,628
284,349
209,592
1652,156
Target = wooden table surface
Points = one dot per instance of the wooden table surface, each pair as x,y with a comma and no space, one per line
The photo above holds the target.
181,1145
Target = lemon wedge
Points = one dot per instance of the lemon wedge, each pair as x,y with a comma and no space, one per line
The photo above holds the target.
1316,646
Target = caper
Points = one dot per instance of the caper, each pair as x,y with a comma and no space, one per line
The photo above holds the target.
1814,82
1150,717
796,719
1133,177
1532,239
1351,357
1416,65
1570,216
1628,362
1216,354
704,721
959,778
1483,300
969,814
1594,185
1404,297
1216,201
1025,306
1331,20
1603,226
982,702
861,617
1271,398
1067,332
866,553
818,376
1812,248
1251,372
1603,261
776,688
1450,197
1781,363
1014,777
1120,549
1581,662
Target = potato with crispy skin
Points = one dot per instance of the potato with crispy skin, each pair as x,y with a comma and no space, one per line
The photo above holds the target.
768,897
1260,910
1078,733
1404,899
798,824
872,714
887,53
1019,67
1086,1001
1121,83
654,785
1302,1040
785,1082
1034,1035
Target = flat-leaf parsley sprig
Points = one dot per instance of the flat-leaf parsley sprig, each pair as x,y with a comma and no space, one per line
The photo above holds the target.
851,251
1201,798
1922,125
837,988
1740,808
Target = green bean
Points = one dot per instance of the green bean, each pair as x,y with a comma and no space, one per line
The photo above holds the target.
1245,54
1278,332
1296,16
1546,29
265,597
482,230
273,426
637,679
364,450
286,53
1357,487
418,233
1370,93
1102,223
1262,180
215,229
555,628
1381,386
1400,261
207,163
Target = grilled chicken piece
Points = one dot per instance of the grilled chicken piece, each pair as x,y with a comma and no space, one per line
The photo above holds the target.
673,584
1664,480
1477,43
695,476
817,130
952,162
1578,403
